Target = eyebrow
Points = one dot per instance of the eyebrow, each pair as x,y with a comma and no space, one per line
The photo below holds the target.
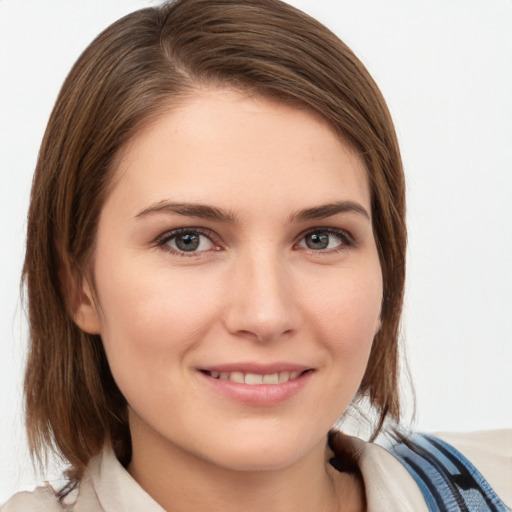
201,211
327,210
204,211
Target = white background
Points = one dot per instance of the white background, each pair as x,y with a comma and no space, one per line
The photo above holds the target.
445,68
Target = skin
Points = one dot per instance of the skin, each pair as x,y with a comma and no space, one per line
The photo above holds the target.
252,292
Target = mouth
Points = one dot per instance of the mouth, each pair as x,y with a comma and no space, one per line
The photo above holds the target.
256,379
257,385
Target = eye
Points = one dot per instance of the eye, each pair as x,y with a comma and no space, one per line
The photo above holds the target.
324,240
187,241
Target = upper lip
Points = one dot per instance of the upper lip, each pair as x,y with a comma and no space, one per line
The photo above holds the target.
257,368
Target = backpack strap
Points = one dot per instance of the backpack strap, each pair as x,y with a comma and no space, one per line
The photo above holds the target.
448,481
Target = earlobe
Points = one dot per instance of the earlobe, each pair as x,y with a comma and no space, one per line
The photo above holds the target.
85,311
379,325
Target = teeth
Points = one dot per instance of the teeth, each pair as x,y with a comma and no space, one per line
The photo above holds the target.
273,378
255,379
284,376
237,377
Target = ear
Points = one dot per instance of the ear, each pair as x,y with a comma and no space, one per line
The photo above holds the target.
85,310
379,325
79,296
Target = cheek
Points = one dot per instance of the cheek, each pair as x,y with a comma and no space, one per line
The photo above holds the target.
150,315
349,304
346,318
152,323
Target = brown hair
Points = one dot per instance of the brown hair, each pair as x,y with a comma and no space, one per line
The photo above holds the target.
127,76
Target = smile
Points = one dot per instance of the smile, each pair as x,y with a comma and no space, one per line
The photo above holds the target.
254,384
255,379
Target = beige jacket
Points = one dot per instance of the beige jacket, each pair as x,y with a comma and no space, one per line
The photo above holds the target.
107,486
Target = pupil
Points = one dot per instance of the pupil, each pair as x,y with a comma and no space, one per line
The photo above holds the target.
188,242
317,240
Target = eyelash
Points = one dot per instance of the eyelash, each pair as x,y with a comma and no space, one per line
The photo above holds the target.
164,239
345,239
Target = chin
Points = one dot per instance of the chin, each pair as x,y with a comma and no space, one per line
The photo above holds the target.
266,451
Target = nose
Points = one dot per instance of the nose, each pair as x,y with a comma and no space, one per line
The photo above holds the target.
261,300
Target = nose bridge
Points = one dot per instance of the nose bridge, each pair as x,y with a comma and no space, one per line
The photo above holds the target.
261,300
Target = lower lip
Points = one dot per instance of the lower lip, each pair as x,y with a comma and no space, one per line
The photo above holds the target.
260,394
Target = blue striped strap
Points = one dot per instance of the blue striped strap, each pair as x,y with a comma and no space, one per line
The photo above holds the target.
448,481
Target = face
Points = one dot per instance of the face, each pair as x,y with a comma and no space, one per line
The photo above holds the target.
238,283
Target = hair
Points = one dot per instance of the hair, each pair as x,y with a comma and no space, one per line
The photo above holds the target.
139,66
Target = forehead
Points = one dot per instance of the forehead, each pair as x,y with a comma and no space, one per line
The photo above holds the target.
223,145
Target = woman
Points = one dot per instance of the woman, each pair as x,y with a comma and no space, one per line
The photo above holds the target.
215,269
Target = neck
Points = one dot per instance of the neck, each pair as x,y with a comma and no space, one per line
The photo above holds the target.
180,481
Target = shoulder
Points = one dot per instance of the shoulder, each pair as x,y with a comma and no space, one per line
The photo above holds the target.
491,453
468,469
388,485
41,499
105,485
